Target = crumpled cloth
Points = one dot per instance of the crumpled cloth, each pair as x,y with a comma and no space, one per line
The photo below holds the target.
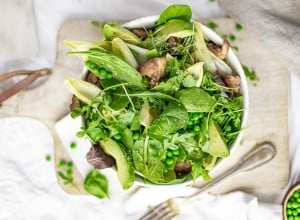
277,23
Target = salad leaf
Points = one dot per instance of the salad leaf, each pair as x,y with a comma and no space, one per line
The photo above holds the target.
120,48
113,30
202,53
196,100
121,71
173,118
198,170
147,159
83,90
174,11
96,184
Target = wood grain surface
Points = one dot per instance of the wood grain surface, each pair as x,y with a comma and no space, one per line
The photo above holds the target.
268,112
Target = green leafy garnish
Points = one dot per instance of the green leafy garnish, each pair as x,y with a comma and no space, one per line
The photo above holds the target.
250,73
238,26
232,37
212,25
182,12
96,184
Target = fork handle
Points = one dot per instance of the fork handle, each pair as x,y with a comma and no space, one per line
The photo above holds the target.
264,152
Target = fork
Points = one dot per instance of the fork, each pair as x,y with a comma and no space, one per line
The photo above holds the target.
263,153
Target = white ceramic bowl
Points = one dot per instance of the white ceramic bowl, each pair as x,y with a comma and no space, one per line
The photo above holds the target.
148,22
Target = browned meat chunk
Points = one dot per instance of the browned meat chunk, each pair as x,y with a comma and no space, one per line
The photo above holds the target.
154,69
75,103
183,168
140,32
98,159
92,78
233,82
219,51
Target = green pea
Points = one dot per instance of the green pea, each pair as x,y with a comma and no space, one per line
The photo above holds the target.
298,210
48,158
190,123
169,161
289,205
89,63
298,199
227,128
109,75
73,145
294,205
194,116
295,213
118,136
175,152
289,211
102,72
197,128
296,194
62,163
290,218
297,218
193,133
95,70
169,154
135,136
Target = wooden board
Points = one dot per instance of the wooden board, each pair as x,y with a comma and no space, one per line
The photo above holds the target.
268,113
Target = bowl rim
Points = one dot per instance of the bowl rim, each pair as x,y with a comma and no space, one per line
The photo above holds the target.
149,22
287,196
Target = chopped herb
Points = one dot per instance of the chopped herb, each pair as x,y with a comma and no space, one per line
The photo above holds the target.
73,145
234,47
212,25
239,27
250,74
232,37
70,164
48,158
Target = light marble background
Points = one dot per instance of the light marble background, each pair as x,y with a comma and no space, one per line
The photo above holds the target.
28,187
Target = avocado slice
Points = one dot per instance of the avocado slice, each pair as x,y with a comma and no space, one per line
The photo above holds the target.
217,146
175,28
124,162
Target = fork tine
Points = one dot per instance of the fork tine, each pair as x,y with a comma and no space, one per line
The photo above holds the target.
157,212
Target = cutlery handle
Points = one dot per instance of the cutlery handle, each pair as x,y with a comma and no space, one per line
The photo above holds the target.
263,153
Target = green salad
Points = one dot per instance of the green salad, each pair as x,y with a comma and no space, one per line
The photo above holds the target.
161,103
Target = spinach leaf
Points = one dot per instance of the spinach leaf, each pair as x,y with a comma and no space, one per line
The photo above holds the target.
173,118
147,156
96,184
175,11
196,100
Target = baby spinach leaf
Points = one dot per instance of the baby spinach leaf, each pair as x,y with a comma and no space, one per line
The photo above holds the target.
96,184
173,118
196,100
175,11
147,156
